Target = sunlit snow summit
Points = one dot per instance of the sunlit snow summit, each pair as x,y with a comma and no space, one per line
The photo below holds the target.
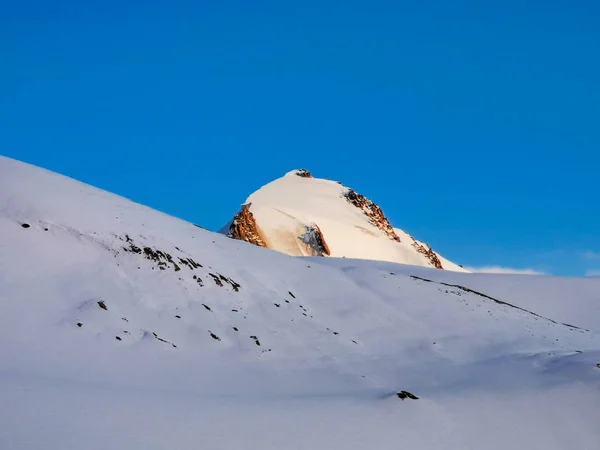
304,216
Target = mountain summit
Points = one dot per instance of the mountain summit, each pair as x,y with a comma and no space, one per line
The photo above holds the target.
300,215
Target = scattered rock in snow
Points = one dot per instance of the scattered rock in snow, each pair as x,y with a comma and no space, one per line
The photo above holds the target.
25,225
214,336
102,305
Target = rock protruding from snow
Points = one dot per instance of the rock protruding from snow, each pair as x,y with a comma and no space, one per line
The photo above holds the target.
373,212
303,173
244,228
426,250
315,241
300,215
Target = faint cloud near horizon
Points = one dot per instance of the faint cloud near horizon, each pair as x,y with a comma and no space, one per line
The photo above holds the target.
504,270
590,254
592,273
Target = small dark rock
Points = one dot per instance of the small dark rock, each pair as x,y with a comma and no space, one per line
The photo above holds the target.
405,394
214,336
79,324
277,304
293,296
178,316
102,305
25,225
235,329
208,308
117,338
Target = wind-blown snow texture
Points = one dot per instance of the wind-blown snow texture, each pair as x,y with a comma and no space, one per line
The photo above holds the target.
286,207
122,327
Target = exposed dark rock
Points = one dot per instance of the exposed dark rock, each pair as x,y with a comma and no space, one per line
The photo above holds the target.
208,308
405,394
314,240
426,250
293,296
214,336
244,228
162,340
304,173
218,281
79,324
102,305
373,212
25,225
117,338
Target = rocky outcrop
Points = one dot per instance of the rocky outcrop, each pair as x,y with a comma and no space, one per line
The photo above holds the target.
373,212
429,253
304,173
244,227
314,240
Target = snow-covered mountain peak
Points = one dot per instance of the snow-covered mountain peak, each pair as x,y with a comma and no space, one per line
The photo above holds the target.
301,215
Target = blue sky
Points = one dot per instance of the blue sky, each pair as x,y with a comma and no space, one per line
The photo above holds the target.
475,125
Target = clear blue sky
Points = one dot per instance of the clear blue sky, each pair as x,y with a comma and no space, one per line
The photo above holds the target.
475,125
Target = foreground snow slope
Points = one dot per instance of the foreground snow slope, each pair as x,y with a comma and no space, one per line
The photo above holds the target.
302,216
122,327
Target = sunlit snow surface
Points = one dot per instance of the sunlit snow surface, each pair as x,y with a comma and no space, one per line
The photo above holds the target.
285,207
240,347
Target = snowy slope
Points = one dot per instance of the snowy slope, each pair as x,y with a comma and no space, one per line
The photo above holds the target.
284,209
122,327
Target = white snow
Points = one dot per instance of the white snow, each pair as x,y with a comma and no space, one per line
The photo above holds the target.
285,207
338,338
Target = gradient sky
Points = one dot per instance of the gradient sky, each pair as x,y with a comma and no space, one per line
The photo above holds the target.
475,125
